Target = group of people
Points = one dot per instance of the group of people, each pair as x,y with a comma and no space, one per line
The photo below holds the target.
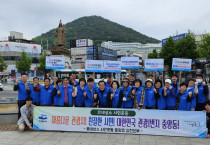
133,93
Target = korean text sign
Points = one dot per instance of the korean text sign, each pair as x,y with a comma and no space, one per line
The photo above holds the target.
180,64
130,62
154,65
55,62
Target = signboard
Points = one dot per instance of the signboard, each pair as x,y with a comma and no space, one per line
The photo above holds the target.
94,66
112,66
81,42
154,64
113,120
130,62
175,38
180,64
33,49
55,62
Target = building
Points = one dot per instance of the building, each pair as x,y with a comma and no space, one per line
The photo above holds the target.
80,54
127,49
11,51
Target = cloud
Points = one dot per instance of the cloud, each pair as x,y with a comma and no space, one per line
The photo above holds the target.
154,18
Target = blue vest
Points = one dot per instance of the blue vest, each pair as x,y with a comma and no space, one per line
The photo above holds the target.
95,85
183,104
139,95
62,91
177,85
107,85
80,96
127,104
193,101
150,97
22,93
171,98
46,96
52,85
35,95
115,98
103,97
161,102
90,96
201,96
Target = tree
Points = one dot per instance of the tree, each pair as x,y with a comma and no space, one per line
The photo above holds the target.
153,54
24,64
168,53
42,63
204,47
187,47
3,65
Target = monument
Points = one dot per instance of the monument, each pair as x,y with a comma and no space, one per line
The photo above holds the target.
59,47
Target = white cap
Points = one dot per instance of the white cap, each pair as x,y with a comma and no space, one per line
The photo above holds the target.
148,80
168,81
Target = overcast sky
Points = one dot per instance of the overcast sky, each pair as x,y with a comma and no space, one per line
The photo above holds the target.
154,18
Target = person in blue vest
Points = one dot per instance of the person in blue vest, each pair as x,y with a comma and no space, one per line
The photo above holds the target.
56,98
47,93
170,94
116,95
72,80
103,95
80,92
54,81
136,95
66,94
174,82
33,94
95,85
90,94
159,95
127,93
192,87
109,81
183,97
23,88
150,100
131,80
202,93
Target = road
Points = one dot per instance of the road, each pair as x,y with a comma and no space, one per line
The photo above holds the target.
8,95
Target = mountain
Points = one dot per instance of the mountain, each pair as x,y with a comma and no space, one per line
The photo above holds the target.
96,28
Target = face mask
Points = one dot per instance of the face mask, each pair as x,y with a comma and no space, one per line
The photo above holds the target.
199,81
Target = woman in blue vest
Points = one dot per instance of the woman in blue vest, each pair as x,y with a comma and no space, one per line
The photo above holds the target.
116,95
103,95
33,94
202,93
192,87
66,94
90,95
80,93
58,84
170,94
150,100
127,92
159,95
137,93
183,97
47,93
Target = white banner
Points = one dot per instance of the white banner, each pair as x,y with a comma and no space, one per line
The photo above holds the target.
113,120
20,47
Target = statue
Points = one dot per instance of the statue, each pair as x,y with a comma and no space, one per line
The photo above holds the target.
60,34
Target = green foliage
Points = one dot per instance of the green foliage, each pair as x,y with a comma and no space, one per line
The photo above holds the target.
204,47
42,63
2,64
97,29
24,64
153,54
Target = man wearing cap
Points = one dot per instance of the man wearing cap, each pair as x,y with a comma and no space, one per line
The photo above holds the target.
26,115
127,92
170,94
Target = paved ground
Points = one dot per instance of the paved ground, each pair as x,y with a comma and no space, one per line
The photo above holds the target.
74,138
8,95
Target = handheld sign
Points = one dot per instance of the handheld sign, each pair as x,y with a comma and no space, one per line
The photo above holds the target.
180,64
112,66
94,66
53,62
154,65
129,62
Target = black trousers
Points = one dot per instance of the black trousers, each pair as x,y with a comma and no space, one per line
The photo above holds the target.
20,104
